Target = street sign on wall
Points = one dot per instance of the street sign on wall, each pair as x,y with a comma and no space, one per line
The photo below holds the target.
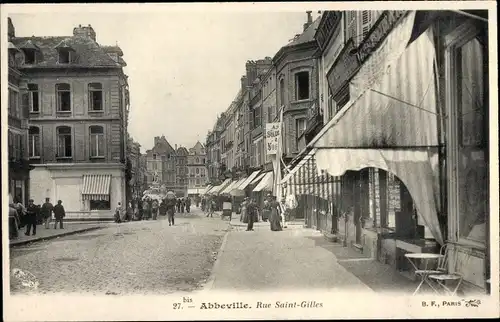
273,131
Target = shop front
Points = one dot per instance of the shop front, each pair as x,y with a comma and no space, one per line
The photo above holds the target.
87,193
418,103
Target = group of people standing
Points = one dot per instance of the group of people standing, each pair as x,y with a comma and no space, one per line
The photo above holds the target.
150,208
271,211
183,204
33,215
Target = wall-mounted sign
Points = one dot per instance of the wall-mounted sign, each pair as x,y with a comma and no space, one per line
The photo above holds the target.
273,132
344,68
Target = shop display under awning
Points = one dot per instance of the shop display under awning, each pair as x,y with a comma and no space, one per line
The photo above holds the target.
393,126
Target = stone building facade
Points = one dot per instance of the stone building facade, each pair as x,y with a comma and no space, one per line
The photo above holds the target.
197,170
76,94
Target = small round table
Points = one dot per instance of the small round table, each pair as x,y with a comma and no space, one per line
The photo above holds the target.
425,257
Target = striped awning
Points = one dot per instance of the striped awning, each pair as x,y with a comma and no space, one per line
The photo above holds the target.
229,187
220,187
206,189
266,183
248,180
96,187
258,178
238,184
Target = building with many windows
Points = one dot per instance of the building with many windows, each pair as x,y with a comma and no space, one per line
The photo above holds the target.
161,164
17,127
76,94
197,170
181,171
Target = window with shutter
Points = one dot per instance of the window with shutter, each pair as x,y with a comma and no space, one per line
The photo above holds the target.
366,18
33,99
351,23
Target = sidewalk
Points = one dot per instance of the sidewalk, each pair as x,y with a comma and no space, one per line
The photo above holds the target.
286,260
297,258
43,234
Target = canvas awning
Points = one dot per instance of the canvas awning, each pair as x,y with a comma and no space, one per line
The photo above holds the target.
238,184
206,189
96,187
258,178
229,187
219,188
248,180
393,126
266,183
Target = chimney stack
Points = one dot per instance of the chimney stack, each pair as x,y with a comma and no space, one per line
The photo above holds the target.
84,32
157,139
176,147
309,20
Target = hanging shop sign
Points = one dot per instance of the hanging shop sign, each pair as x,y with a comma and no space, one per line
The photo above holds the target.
273,132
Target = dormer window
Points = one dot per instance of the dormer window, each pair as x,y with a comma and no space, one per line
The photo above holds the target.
29,56
64,56
64,50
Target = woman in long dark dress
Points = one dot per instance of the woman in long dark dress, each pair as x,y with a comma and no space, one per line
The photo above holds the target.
275,218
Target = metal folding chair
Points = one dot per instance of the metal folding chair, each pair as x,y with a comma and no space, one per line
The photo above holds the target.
447,279
440,269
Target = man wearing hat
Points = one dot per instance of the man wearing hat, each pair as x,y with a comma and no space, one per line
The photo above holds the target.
46,210
31,212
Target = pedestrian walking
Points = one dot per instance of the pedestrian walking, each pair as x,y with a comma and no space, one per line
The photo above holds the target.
31,214
146,210
163,208
183,204
170,206
243,213
188,204
251,212
130,211
47,209
118,217
178,204
59,214
266,210
154,209
203,203
275,219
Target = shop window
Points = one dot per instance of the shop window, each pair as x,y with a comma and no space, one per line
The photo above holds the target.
33,96
96,142
100,205
34,142
64,142
257,119
63,94
302,86
95,97
470,91
29,56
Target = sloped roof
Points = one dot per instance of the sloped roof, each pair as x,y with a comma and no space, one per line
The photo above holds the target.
307,35
182,151
88,53
162,147
113,49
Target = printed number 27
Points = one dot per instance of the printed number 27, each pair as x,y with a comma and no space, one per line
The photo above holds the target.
177,306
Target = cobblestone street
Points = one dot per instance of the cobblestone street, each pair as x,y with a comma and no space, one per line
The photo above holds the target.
143,257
